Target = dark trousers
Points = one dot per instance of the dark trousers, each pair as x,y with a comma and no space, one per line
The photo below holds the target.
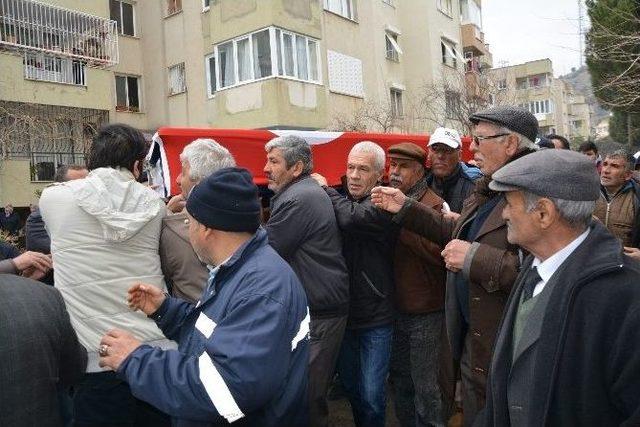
473,391
102,400
363,366
325,339
414,369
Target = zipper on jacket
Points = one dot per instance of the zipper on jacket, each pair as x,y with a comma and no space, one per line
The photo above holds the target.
372,286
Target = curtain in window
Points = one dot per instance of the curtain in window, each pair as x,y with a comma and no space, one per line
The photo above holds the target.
313,60
301,57
226,58
244,60
261,54
287,41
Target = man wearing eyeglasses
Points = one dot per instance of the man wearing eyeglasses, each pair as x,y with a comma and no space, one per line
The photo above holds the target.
482,265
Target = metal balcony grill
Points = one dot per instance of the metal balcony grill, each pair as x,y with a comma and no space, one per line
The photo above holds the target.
30,26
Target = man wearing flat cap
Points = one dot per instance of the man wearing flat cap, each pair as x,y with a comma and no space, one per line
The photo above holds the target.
566,353
482,265
419,299
243,348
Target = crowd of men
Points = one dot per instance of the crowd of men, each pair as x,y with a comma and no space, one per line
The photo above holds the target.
510,288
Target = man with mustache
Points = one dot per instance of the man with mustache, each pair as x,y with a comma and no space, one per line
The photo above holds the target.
482,263
419,299
449,177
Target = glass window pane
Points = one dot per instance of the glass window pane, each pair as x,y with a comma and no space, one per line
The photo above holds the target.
279,48
226,58
301,53
212,74
261,54
132,86
313,61
121,91
288,55
114,13
244,60
127,19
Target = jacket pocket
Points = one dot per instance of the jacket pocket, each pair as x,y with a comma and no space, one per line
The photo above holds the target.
371,285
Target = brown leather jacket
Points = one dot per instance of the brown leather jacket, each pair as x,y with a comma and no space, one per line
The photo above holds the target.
491,272
185,275
419,267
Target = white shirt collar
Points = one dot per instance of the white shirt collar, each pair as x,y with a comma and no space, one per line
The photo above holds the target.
549,266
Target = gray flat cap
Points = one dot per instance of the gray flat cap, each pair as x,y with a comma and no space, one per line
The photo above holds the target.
560,174
513,118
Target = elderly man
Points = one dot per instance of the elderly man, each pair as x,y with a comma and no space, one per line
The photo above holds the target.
619,204
184,273
449,177
368,237
419,299
567,350
243,350
105,231
482,264
10,220
304,231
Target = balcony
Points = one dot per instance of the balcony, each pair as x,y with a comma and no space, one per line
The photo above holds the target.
29,26
473,40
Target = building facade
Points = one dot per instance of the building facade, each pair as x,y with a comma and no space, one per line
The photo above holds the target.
68,66
558,108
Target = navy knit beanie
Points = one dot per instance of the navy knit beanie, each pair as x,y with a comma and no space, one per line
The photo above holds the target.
226,200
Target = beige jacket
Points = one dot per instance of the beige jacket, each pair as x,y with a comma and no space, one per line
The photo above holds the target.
185,275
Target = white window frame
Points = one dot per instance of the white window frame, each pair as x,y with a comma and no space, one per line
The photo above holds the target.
395,97
139,78
450,48
207,69
394,53
446,7
133,16
205,6
178,68
275,58
63,72
350,4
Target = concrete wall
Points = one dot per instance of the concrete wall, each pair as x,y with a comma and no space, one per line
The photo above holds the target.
15,183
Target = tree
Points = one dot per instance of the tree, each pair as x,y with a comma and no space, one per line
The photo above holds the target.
613,58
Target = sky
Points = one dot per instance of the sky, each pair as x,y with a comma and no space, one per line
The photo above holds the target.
524,30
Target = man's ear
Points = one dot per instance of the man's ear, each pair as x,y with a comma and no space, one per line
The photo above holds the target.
137,169
298,167
547,213
512,144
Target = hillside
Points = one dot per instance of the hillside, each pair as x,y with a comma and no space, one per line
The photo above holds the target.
580,79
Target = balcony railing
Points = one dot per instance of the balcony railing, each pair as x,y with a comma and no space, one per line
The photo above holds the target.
49,68
45,165
26,25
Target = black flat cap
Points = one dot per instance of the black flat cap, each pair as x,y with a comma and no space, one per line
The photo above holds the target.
561,174
513,118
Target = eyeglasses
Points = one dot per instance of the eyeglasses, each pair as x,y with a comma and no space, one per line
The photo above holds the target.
477,139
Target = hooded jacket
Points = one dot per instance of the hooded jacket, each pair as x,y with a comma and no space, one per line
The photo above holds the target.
104,233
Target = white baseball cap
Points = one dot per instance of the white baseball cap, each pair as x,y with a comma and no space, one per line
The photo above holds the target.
445,136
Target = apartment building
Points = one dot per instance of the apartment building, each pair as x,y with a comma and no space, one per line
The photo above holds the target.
558,108
68,66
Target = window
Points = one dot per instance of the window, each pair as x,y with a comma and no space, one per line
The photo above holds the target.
538,81
452,104
538,107
210,64
445,6
393,48
250,58
127,93
470,13
396,103
449,53
341,7
206,4
502,84
522,83
173,6
122,13
177,79
47,68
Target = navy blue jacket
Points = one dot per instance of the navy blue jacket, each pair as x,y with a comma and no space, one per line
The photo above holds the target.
243,349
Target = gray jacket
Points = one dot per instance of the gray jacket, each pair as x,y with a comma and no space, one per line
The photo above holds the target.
38,349
304,231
